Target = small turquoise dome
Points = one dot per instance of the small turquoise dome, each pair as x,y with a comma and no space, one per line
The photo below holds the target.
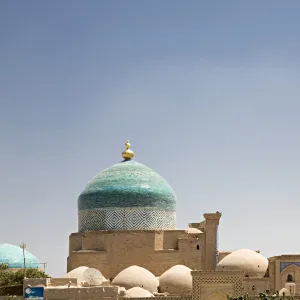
12,256
127,195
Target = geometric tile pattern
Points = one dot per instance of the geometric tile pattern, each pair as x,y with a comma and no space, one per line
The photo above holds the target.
125,218
217,278
284,265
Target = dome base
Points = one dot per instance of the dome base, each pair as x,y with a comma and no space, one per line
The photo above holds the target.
126,218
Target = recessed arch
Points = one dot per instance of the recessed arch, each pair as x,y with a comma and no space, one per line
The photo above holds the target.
216,295
290,278
292,270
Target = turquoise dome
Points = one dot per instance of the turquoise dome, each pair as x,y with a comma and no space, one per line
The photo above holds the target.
12,256
127,184
127,189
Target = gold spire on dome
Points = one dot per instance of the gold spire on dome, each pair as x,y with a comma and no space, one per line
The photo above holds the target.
127,154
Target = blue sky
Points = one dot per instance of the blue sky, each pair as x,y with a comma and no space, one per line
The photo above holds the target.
206,91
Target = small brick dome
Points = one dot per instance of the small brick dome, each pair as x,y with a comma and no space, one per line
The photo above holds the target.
138,292
176,280
251,262
136,276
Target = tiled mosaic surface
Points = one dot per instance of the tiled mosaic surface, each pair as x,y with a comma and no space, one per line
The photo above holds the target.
125,219
13,257
284,265
128,184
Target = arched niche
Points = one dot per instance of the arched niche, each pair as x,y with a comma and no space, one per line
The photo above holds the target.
216,295
290,274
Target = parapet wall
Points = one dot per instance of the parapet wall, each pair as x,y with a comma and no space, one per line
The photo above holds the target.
145,239
81,293
165,298
106,296
49,282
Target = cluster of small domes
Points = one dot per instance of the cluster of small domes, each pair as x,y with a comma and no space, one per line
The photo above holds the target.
176,280
139,282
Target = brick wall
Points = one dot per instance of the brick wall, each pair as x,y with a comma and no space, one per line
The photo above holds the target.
113,251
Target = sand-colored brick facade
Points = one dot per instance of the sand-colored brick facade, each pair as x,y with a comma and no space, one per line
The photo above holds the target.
156,250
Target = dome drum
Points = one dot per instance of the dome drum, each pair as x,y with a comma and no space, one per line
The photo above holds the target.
126,218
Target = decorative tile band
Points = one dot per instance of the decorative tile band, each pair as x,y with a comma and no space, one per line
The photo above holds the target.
284,265
126,219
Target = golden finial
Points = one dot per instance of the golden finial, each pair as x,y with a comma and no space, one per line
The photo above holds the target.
127,154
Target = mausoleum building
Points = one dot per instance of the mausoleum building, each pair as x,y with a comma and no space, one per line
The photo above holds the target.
127,236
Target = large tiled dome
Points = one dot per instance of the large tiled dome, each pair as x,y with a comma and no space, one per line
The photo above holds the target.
127,196
12,256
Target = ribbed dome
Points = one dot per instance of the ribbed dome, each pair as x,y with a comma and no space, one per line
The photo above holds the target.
251,262
13,257
127,195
